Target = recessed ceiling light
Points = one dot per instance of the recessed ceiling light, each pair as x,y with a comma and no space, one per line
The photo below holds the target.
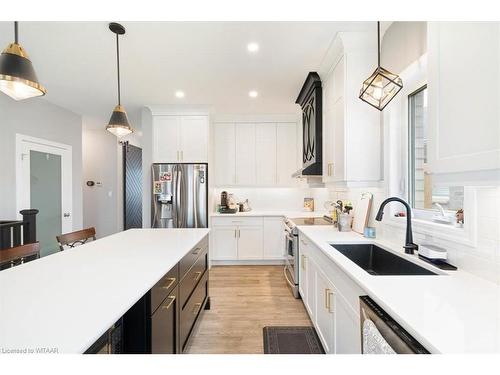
253,94
179,94
252,47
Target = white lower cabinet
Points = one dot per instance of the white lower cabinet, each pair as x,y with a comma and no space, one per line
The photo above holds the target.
250,242
247,238
225,244
325,318
331,299
274,238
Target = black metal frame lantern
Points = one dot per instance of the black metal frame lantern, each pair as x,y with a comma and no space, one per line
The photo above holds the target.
382,85
17,75
118,123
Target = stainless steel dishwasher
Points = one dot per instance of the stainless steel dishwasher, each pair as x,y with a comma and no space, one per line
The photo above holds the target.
380,334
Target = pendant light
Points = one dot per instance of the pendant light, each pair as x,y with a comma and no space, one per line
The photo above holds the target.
17,76
382,86
118,123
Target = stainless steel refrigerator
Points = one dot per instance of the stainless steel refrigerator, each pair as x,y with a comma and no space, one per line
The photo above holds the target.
179,197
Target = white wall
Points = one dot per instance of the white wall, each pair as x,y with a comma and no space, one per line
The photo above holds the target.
38,118
102,162
100,206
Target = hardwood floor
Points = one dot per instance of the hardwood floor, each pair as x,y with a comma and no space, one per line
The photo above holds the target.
245,299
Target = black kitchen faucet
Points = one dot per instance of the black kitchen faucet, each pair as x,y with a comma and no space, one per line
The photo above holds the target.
410,247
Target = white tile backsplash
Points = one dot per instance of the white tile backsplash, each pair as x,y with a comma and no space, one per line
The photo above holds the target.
289,199
483,260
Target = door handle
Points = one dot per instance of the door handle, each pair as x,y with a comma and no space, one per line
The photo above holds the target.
178,158
303,262
67,214
172,281
167,306
182,155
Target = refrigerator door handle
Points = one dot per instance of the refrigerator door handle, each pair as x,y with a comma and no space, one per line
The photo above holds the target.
179,197
174,196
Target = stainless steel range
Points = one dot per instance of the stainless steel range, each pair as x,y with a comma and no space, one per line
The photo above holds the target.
291,270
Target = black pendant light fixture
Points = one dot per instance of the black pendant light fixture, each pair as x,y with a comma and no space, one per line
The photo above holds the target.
17,76
118,123
382,86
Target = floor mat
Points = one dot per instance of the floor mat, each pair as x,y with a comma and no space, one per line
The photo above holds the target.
291,340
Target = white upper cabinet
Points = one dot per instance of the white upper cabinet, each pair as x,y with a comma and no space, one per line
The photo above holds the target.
286,154
265,154
224,154
351,128
166,139
245,154
194,139
180,139
255,154
464,96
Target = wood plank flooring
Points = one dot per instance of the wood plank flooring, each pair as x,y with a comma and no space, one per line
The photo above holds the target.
244,299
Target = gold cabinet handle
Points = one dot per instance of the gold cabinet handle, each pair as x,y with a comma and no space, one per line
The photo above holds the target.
197,275
196,251
328,300
304,259
171,282
330,307
167,306
182,155
196,308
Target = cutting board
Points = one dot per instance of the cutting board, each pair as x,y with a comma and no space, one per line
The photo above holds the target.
362,212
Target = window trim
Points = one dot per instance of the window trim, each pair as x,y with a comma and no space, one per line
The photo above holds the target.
396,167
410,146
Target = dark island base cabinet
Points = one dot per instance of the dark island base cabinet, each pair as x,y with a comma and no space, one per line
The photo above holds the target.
162,320
109,343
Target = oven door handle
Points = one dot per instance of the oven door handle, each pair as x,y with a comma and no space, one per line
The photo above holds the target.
286,277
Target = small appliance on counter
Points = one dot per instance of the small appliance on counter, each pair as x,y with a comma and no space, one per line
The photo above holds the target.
245,206
435,255
227,204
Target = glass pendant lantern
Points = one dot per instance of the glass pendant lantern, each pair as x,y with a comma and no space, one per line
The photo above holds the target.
118,123
382,86
17,76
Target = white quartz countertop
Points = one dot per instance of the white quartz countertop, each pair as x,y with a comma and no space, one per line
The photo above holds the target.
455,312
284,213
67,300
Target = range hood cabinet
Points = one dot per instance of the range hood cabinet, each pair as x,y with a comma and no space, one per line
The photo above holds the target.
310,100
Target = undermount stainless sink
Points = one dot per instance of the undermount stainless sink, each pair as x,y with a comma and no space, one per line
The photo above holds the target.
377,261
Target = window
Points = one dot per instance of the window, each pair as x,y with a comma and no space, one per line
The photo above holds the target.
422,193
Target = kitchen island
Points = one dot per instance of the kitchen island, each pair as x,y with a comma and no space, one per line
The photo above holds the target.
66,301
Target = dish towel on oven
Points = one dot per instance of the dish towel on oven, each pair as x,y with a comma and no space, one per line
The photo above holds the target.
373,342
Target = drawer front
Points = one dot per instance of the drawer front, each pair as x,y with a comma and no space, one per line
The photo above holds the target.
164,325
192,309
163,287
193,276
237,221
190,258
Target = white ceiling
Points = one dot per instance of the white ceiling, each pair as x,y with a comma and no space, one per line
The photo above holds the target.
207,60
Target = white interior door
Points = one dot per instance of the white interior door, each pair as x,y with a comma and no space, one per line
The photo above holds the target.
44,182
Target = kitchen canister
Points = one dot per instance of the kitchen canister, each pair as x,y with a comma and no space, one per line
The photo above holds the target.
345,222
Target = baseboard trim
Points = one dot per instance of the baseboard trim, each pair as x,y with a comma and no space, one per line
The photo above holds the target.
256,262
